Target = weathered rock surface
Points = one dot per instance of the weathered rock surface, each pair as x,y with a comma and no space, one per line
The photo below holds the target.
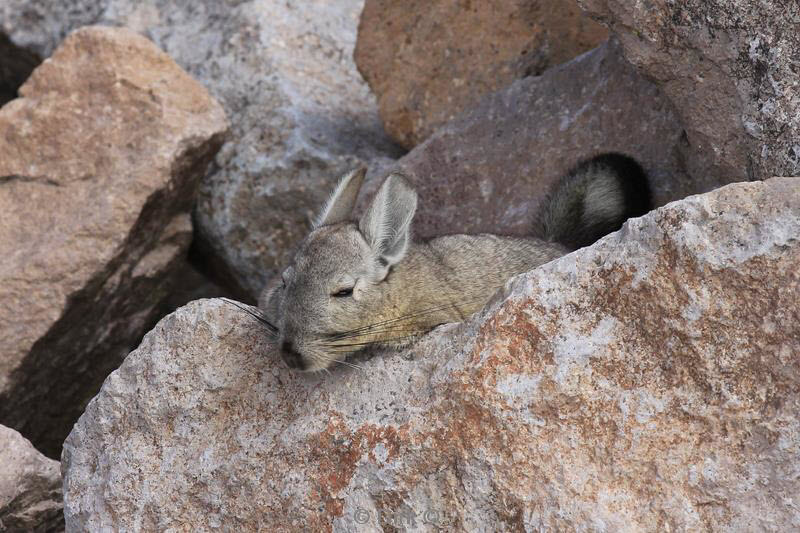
489,169
102,155
649,382
429,60
301,114
730,68
30,487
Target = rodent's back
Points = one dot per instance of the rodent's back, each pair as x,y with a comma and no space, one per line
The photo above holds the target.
448,278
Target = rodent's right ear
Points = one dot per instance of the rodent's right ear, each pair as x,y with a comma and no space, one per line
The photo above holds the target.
341,203
386,225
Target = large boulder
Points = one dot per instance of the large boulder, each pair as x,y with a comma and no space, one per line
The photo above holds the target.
30,487
102,155
428,60
301,115
489,169
731,69
649,382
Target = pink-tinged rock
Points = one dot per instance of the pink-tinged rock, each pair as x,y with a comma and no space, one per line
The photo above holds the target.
650,382
30,487
730,68
102,154
429,60
489,169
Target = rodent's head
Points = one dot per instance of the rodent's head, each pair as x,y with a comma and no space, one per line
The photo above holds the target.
331,296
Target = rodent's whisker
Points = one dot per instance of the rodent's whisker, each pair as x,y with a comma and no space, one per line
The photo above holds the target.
326,359
345,341
346,363
255,315
371,343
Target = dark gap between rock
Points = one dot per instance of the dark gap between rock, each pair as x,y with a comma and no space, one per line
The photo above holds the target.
16,64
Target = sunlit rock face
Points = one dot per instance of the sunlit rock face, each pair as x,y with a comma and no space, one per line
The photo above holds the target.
648,382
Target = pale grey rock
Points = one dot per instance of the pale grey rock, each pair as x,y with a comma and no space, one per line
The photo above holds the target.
301,114
102,155
30,487
731,69
649,382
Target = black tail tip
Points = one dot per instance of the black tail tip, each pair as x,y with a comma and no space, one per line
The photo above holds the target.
632,179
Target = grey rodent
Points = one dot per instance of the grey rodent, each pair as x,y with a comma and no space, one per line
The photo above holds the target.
355,284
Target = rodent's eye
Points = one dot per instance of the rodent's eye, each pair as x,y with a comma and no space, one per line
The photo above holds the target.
341,293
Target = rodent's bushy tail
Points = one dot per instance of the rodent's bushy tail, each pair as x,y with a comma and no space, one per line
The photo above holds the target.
594,199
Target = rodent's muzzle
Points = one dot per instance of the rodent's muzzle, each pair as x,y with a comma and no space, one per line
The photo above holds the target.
292,358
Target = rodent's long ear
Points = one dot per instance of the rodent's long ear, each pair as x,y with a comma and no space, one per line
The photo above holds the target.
387,223
341,203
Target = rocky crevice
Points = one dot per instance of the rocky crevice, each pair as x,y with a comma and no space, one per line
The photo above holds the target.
16,64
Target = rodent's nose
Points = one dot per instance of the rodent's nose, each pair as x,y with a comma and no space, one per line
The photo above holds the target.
292,358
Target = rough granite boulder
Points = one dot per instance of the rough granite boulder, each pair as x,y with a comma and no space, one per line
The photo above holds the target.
30,487
489,169
428,60
301,114
731,69
647,383
102,154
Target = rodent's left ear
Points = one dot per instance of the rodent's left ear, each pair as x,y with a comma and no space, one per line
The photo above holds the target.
387,222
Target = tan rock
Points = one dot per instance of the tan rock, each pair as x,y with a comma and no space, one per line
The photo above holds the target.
429,60
301,115
730,69
102,154
648,383
30,487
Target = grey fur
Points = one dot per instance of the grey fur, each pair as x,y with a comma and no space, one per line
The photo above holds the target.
340,205
593,199
401,289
